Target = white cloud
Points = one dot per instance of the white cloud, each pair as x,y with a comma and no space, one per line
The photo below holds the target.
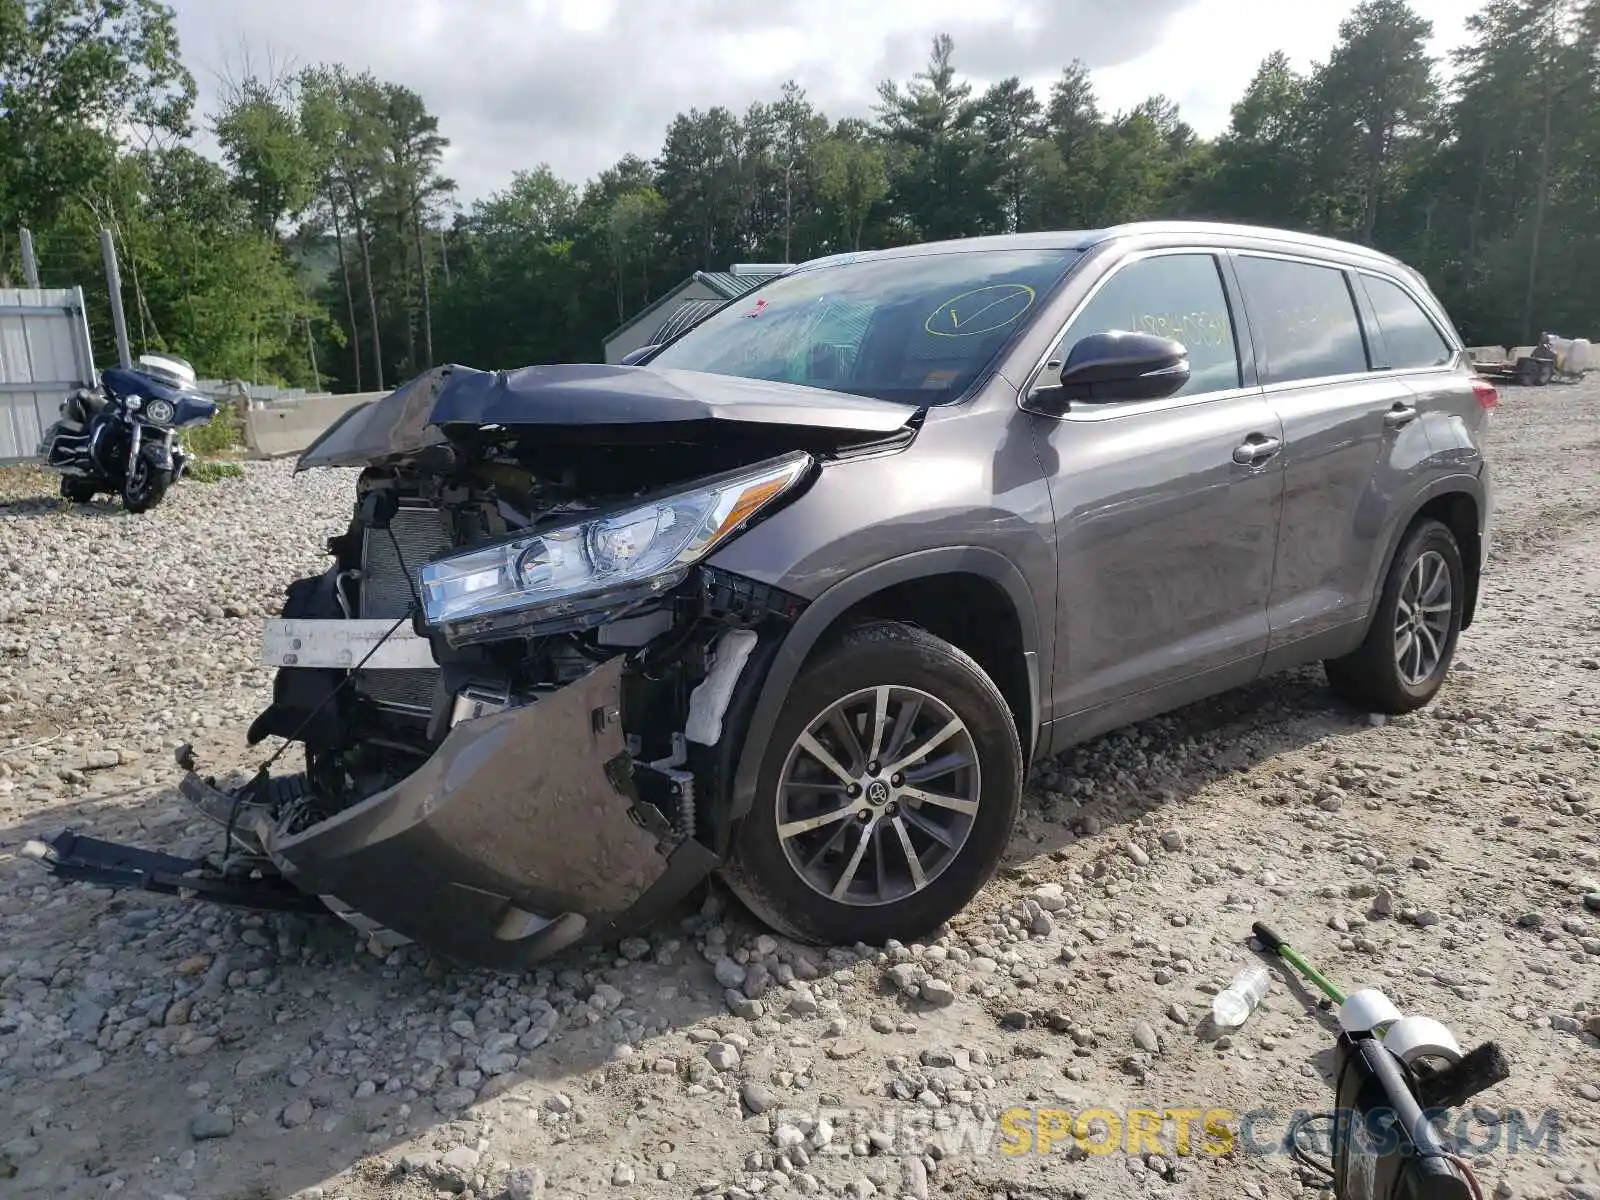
1209,51
578,83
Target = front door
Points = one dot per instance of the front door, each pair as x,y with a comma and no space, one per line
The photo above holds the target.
1166,511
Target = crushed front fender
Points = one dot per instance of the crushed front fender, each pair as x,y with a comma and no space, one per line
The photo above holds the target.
521,835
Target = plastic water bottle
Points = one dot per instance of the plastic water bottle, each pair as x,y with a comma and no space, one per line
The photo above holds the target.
1234,1004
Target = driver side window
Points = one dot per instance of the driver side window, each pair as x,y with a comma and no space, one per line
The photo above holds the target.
1178,296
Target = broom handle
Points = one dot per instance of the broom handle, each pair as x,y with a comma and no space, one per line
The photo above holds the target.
1289,954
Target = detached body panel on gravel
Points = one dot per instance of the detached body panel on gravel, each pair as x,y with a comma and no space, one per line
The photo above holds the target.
800,596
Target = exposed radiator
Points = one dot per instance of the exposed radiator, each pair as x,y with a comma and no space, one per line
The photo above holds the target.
419,532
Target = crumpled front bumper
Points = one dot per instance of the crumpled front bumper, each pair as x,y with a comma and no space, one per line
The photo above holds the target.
522,835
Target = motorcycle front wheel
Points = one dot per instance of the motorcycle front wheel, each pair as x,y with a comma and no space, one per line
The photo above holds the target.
145,486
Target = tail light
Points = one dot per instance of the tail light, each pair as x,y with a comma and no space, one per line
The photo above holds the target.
1488,398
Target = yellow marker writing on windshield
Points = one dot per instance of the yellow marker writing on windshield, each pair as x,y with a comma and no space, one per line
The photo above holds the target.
1001,303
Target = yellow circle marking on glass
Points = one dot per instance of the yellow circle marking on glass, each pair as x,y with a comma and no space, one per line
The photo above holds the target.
982,310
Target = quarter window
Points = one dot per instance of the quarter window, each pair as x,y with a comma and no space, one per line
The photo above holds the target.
1409,335
1304,318
1178,296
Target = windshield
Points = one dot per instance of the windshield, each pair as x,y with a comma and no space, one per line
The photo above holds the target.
915,330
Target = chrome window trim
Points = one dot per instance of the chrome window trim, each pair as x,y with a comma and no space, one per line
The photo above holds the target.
1378,373
1106,412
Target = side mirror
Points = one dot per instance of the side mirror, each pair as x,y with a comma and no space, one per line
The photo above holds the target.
633,356
1116,366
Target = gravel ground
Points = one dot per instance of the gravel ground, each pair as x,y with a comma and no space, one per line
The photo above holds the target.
157,1050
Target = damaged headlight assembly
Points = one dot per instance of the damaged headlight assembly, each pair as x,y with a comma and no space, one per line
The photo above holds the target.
577,575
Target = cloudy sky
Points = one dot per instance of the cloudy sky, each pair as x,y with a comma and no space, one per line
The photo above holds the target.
578,83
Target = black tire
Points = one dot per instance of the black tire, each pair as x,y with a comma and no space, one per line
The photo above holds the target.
865,657
77,491
1370,678
145,487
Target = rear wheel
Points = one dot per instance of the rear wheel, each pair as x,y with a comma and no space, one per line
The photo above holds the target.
1412,638
887,794
77,491
145,486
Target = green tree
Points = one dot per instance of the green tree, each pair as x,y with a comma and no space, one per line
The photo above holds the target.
633,224
852,180
1369,104
1011,120
76,78
413,150
537,204
1262,161
341,115
205,282
799,132
274,163
942,176
700,178
1064,159
516,292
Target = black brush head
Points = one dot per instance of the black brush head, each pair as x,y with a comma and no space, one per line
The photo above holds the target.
1270,941
1479,1070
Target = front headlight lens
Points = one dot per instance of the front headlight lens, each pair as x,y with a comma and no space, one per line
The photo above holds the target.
561,575
160,411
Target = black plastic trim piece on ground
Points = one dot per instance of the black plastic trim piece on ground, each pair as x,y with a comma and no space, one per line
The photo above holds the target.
75,857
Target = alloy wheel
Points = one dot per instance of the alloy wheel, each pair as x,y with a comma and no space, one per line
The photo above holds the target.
1423,613
878,795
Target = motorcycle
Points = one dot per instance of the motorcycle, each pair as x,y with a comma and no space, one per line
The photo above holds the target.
123,437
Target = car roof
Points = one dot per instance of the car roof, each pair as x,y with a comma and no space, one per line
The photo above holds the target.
1084,239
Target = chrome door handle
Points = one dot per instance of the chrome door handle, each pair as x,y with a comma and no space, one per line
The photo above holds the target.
1256,449
1400,414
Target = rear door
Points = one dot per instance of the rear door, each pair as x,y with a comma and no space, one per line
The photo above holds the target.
1420,346
1425,358
1166,510
1352,440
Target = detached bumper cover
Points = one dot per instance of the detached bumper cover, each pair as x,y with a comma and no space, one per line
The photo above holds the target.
521,835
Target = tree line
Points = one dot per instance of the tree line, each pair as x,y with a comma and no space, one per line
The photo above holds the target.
327,248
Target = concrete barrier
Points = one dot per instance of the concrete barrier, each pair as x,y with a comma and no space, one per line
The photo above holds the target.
283,427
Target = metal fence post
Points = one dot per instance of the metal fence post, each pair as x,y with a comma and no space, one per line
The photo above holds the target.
119,322
30,263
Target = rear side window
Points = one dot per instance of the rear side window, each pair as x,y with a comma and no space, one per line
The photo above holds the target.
1409,335
1178,296
1304,318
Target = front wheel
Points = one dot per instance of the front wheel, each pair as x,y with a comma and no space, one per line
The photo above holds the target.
887,793
1412,638
145,486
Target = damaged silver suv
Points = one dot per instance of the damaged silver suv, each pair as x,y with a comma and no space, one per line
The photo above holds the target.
798,596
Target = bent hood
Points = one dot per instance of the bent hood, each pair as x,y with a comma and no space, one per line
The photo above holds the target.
421,416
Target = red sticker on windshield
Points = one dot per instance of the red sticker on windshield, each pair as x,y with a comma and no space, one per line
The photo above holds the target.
758,309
